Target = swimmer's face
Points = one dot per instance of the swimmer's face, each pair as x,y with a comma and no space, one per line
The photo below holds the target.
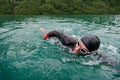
81,48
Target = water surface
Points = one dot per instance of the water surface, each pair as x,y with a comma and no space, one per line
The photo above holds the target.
24,55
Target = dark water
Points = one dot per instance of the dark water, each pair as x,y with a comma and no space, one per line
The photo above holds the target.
24,55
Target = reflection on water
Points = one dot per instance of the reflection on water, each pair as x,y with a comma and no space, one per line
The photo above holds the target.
24,55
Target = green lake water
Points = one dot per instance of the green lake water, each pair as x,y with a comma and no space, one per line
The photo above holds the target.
24,55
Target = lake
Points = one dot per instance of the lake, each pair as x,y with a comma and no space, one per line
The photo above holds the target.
24,55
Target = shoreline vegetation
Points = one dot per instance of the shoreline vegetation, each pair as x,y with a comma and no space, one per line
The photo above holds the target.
59,7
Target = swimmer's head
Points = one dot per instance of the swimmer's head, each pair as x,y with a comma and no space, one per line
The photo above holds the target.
91,42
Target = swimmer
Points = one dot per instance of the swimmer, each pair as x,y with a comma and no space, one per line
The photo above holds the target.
88,44
84,46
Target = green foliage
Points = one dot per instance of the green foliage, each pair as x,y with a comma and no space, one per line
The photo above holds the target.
6,7
28,8
49,7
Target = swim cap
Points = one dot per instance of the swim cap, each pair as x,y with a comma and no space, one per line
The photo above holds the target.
91,42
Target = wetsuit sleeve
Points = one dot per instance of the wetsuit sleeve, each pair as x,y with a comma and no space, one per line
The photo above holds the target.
65,40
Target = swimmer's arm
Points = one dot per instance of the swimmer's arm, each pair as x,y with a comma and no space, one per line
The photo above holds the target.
65,40
52,34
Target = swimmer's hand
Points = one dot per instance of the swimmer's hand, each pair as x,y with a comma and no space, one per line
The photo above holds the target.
45,36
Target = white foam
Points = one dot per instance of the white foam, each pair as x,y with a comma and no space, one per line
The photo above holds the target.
112,48
68,60
90,63
3,30
74,36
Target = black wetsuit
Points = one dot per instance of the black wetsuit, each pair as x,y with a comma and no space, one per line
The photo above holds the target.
65,40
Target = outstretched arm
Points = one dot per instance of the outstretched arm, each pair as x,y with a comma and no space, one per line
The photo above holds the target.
53,34
65,40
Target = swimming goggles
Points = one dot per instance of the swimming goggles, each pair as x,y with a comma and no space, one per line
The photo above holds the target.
82,50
